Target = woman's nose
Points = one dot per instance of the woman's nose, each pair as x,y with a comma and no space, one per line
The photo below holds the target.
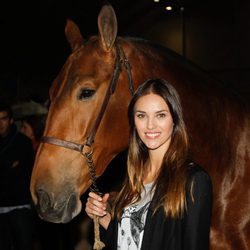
150,123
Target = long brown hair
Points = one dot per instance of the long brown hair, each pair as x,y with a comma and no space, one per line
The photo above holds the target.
170,183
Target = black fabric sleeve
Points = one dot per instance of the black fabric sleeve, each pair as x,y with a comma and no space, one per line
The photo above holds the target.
198,217
109,235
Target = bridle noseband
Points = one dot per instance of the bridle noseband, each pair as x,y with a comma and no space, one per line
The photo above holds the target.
120,61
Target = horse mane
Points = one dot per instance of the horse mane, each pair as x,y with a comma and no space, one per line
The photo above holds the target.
189,65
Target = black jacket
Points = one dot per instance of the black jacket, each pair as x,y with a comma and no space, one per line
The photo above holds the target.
191,232
16,162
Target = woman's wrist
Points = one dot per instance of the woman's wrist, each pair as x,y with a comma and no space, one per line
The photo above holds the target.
105,220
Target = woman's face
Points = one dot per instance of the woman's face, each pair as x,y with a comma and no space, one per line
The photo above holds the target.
27,130
153,122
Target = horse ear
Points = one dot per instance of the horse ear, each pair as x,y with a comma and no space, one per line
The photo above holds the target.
73,35
107,26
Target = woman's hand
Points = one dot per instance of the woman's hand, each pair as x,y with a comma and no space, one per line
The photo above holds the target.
97,205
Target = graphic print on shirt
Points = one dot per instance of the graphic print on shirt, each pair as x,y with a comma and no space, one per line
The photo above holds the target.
132,227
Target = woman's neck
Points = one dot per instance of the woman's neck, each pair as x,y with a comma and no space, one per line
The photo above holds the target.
152,169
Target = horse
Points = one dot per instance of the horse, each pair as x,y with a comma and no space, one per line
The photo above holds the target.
88,117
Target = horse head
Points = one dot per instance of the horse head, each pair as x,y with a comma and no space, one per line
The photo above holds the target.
89,100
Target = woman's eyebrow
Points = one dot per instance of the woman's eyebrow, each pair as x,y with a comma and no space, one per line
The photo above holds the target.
163,110
140,111
157,112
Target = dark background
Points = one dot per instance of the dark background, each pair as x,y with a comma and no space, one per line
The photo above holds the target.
214,34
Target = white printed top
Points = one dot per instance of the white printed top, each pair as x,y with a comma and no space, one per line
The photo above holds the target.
131,227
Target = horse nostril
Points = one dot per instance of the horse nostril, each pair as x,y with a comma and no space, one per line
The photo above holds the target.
72,203
43,200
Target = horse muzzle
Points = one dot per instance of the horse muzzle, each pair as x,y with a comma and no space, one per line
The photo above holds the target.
57,209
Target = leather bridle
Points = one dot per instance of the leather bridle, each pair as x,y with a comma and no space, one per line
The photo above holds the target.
120,61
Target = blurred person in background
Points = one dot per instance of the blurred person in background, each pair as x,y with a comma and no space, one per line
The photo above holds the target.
33,126
16,162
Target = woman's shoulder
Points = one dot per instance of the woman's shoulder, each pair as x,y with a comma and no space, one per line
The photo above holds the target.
196,169
198,174
199,190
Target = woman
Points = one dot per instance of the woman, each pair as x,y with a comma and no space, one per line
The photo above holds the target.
33,126
165,202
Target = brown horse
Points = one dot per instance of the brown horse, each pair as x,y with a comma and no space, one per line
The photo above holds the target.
83,118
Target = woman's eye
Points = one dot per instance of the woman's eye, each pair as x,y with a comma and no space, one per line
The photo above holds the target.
161,115
85,94
140,116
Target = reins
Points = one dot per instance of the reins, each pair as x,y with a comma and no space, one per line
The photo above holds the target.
120,61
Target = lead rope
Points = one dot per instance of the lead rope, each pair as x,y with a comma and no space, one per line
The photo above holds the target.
98,244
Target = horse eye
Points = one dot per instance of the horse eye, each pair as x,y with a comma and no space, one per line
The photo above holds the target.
86,94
